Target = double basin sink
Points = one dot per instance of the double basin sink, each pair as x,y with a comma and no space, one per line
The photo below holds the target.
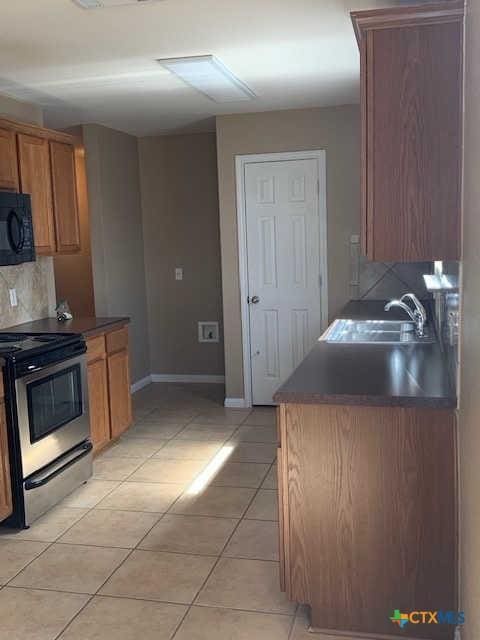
375,332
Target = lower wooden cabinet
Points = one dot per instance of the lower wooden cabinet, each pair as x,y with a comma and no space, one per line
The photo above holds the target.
119,389
368,516
6,507
109,386
99,403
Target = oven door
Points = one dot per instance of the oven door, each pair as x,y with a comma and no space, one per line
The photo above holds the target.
52,408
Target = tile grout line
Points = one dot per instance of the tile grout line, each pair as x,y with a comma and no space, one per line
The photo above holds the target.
153,601
102,585
215,564
220,556
175,501
49,543
161,515
292,625
62,631
56,541
224,546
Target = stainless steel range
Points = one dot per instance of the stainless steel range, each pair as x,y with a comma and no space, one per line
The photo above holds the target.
47,413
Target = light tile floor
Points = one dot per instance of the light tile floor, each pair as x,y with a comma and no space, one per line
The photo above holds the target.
175,536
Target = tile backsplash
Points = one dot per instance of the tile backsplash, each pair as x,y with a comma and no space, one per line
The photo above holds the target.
35,286
387,280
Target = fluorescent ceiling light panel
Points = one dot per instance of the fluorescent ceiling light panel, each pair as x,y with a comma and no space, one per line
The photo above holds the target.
99,4
209,76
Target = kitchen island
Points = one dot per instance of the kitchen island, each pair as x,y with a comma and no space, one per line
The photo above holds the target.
367,485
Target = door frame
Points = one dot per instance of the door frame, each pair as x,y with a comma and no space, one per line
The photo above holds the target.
241,161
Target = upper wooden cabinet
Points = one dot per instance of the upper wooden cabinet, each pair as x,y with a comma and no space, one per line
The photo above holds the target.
41,162
411,106
65,197
35,179
8,160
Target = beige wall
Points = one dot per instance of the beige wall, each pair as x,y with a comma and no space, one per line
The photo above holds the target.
22,111
335,129
116,235
34,281
469,423
181,229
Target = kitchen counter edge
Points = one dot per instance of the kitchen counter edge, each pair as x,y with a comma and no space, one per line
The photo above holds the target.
88,327
365,377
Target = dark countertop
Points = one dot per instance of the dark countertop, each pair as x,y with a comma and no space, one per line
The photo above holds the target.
88,327
371,374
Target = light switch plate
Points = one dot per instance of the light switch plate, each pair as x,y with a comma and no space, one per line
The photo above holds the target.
13,297
178,273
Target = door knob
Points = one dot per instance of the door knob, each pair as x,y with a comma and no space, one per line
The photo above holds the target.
254,300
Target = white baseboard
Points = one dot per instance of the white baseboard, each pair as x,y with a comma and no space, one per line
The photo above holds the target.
236,403
176,377
144,382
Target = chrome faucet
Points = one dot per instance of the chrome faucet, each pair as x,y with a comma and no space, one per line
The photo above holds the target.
417,315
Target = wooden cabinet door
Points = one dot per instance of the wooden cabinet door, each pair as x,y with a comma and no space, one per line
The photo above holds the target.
119,390
411,104
371,508
99,404
65,208
35,179
8,160
6,506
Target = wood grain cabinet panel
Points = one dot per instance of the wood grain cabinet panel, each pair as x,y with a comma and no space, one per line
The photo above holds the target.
8,160
119,390
108,386
42,163
6,506
411,106
35,179
117,340
65,208
99,405
95,348
369,515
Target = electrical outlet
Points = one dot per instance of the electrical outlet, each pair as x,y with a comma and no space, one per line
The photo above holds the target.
13,297
179,273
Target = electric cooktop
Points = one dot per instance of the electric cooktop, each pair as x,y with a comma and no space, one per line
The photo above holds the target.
26,344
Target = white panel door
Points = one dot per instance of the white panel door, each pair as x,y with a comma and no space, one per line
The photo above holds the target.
283,255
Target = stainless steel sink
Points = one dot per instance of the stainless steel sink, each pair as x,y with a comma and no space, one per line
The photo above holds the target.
375,332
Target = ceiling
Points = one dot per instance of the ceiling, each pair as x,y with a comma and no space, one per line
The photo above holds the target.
99,65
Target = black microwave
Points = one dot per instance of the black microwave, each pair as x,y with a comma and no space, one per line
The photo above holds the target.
16,229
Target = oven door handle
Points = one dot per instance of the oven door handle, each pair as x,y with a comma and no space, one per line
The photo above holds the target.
43,477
